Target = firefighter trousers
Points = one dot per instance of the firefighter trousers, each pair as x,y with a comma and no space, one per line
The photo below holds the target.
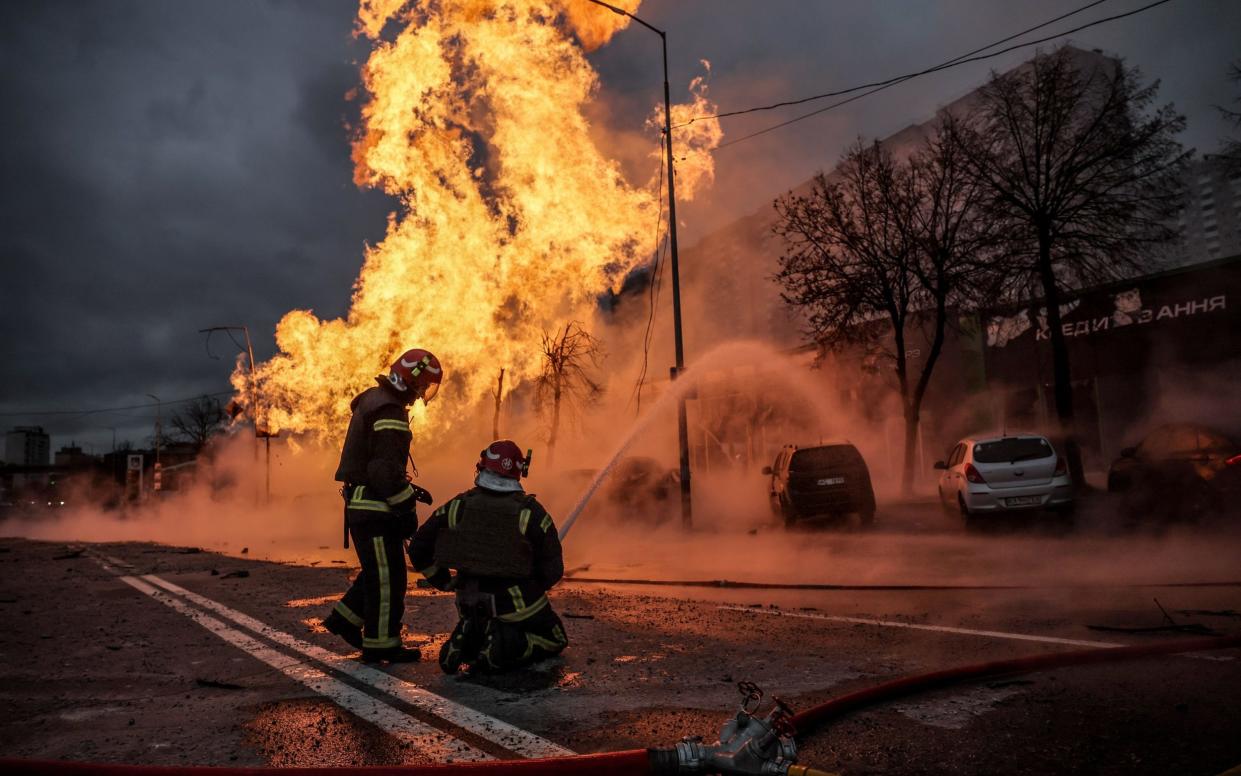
492,645
375,602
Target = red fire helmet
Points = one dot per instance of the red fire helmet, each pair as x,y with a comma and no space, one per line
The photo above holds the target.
416,375
505,459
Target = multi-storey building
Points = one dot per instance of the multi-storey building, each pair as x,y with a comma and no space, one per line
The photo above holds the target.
1210,220
27,446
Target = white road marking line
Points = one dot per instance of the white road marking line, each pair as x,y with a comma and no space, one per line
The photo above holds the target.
434,743
483,725
938,628
117,561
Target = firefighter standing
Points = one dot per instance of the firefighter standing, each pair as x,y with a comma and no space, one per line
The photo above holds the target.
379,507
503,546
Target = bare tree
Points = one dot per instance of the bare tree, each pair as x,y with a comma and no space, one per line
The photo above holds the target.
850,255
199,421
565,382
886,246
1084,175
955,243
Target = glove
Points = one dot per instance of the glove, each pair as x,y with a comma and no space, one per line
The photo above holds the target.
422,494
442,580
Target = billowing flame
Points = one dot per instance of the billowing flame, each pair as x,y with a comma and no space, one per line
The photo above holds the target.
510,220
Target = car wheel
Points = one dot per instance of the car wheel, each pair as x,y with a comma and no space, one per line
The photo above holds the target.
1133,511
788,514
971,520
944,507
867,519
777,505
1198,503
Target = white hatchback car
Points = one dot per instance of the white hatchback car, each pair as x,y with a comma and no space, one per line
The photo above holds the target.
1004,474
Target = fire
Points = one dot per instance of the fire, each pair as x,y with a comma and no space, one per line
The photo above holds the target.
510,221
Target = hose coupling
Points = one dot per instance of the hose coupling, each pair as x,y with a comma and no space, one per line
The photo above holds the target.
748,745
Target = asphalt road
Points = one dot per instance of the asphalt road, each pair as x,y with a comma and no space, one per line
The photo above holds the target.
151,654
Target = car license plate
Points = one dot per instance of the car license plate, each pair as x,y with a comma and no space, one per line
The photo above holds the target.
832,481
1023,501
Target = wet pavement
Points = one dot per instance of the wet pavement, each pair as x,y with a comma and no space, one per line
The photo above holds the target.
96,668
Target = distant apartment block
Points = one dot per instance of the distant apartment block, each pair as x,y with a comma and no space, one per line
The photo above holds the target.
1210,221
27,446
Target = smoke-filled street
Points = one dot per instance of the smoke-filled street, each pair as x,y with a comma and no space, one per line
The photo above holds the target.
171,655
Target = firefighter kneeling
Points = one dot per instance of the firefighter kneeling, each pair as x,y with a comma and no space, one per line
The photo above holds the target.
503,546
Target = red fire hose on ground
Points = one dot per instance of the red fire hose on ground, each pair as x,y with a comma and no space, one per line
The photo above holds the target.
808,719
665,762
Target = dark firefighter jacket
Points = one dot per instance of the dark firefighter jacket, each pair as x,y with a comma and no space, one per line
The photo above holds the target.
516,597
376,447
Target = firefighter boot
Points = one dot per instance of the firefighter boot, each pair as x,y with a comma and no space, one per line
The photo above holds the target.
352,634
462,646
397,654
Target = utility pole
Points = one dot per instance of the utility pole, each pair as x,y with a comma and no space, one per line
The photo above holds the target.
155,480
687,519
158,406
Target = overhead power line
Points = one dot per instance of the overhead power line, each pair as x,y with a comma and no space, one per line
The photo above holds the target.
147,405
896,79
657,267
878,86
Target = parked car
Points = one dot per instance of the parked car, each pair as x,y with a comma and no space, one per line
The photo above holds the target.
1005,474
1179,472
638,489
828,481
645,489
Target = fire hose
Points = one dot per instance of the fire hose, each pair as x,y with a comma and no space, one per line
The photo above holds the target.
747,744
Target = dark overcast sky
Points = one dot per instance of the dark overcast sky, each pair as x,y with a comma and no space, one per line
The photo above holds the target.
166,166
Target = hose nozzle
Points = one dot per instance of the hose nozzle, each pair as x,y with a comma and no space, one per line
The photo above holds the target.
748,745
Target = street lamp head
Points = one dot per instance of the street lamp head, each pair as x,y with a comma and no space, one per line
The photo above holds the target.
623,12
610,7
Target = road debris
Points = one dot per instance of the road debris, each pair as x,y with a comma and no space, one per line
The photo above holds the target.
1209,612
1195,628
217,684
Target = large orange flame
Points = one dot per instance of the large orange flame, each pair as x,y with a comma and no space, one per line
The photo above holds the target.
510,220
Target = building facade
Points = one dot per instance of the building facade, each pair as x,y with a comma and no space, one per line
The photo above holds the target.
1210,220
27,446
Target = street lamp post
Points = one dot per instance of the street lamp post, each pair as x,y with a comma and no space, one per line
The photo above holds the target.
682,426
158,432
264,433
158,406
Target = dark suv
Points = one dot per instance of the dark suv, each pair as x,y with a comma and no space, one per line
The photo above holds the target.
829,481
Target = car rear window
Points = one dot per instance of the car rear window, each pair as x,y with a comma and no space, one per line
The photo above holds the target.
1209,440
817,458
1012,449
